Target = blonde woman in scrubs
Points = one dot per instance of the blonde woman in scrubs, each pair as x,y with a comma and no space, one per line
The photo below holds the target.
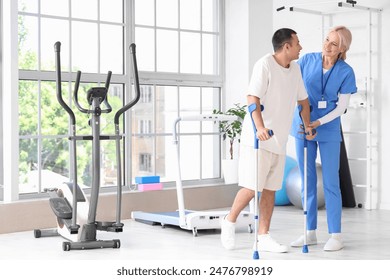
329,82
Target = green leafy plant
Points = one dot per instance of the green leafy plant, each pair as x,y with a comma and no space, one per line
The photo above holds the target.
229,129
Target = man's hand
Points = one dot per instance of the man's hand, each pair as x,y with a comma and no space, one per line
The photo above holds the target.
263,134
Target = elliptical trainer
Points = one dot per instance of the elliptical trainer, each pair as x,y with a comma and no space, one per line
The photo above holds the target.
76,215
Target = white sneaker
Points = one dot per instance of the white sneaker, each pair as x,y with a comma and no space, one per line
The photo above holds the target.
311,239
266,243
228,234
334,243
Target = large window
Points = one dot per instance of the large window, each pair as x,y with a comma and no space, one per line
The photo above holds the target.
179,61
178,36
91,33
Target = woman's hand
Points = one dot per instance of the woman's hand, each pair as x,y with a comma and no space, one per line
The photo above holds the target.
309,130
314,124
310,135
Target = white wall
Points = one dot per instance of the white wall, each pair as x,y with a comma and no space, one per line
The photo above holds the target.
248,37
250,25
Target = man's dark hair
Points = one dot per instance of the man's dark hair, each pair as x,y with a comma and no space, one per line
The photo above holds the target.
282,36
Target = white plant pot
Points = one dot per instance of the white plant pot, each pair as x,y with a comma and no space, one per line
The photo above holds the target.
230,171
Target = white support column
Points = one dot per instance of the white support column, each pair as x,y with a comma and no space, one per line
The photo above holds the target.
127,92
368,113
10,100
249,31
1,97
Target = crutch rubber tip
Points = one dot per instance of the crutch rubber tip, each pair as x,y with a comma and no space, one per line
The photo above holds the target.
305,249
256,255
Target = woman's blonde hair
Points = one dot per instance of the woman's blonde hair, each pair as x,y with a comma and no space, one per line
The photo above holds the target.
345,39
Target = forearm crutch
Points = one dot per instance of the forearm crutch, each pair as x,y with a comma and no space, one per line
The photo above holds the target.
305,247
251,109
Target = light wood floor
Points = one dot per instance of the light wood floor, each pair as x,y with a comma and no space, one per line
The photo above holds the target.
366,236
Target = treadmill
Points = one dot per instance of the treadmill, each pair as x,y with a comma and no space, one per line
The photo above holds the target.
189,219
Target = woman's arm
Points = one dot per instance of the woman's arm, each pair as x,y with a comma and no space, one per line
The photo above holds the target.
337,112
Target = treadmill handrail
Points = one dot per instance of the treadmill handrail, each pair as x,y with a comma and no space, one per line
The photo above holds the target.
212,117
201,118
179,186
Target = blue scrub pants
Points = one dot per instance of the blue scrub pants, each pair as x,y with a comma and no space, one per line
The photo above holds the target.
330,163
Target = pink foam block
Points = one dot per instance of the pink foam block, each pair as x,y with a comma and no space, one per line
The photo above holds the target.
150,187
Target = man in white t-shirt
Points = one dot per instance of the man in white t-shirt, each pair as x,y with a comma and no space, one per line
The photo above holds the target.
277,84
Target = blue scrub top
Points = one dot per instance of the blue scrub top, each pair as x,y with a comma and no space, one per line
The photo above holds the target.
339,79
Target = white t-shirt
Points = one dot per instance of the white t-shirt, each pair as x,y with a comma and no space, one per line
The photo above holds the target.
279,89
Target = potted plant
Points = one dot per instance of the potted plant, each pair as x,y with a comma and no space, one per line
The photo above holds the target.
231,130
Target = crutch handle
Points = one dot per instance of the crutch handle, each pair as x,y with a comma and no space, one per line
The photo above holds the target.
251,108
313,131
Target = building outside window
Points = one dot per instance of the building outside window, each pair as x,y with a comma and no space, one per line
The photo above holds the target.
145,162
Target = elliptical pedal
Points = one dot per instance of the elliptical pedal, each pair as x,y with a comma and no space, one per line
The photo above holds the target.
61,207
109,226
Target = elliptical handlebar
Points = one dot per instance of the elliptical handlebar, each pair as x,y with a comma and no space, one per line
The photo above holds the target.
76,96
108,108
107,85
136,87
57,49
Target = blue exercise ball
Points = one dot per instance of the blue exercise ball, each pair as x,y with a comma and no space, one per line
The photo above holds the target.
294,187
281,197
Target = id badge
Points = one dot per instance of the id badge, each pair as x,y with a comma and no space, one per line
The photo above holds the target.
322,104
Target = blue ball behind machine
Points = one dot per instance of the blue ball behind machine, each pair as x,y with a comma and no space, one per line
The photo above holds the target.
294,187
281,197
